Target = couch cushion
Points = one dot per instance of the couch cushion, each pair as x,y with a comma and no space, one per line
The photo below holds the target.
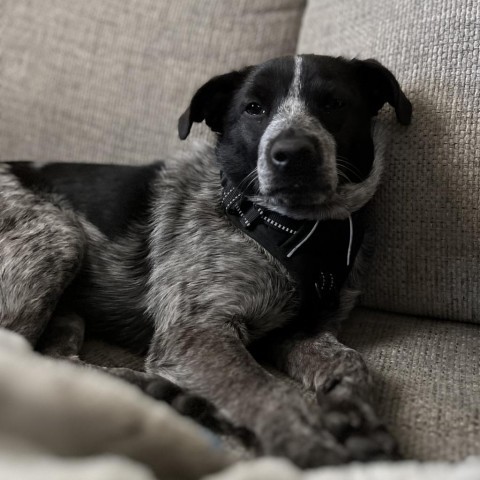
107,80
427,380
426,375
428,256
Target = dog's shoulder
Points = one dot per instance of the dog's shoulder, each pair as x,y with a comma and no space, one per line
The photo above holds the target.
188,190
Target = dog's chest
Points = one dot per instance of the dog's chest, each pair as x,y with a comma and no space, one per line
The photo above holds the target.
213,274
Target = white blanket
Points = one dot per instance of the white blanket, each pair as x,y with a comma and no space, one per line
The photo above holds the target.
59,421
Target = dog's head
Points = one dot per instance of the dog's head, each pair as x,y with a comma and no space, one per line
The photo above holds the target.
294,133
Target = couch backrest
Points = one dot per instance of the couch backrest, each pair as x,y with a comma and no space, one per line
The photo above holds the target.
106,80
428,209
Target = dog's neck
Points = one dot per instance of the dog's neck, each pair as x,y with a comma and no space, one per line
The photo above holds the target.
317,254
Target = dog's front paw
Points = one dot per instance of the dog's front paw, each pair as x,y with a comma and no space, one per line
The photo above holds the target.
294,430
350,418
305,446
343,393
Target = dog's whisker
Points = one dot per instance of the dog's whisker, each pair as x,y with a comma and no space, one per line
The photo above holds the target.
251,182
345,166
344,162
348,164
248,181
344,176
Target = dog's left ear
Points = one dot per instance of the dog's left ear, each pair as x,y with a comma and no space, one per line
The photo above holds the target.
211,101
381,87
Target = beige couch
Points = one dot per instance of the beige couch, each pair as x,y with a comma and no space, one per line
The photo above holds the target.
105,81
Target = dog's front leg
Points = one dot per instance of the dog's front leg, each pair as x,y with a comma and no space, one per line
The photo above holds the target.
343,387
41,249
215,364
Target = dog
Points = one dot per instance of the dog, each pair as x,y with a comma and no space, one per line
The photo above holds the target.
251,250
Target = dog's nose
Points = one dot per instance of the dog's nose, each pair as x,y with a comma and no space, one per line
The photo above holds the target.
295,153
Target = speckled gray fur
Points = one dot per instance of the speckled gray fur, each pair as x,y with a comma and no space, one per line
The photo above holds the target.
203,295
41,247
214,299
206,322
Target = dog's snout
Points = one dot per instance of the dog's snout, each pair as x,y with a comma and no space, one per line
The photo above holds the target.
294,153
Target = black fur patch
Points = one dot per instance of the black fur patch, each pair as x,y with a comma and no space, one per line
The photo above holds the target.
109,196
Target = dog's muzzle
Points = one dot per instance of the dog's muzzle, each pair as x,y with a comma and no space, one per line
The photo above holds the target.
295,166
296,155
296,161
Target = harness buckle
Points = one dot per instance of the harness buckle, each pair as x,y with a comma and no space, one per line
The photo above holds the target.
250,216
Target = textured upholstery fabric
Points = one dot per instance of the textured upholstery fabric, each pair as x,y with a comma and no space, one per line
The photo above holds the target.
427,380
426,374
106,80
427,212
62,422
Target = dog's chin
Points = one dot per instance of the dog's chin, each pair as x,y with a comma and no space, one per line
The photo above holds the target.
299,205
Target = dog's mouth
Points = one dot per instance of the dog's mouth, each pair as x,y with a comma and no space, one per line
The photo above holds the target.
297,200
300,194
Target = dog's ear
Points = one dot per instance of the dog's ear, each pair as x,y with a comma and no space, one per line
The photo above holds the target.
211,101
381,86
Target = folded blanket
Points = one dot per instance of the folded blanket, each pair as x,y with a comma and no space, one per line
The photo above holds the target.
59,421
63,409
276,469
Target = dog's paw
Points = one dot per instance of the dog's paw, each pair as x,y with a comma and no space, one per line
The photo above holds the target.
343,374
343,394
353,422
304,445
293,429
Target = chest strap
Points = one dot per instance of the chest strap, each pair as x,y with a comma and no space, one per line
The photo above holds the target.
318,255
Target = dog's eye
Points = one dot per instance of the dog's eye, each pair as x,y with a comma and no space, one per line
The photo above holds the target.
332,103
254,109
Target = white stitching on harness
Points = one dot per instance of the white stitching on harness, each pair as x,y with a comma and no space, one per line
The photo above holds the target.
276,224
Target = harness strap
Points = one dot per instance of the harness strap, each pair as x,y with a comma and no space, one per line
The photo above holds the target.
317,254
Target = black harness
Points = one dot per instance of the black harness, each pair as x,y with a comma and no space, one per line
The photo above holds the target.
317,254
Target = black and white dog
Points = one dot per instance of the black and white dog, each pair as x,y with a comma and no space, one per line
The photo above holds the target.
250,249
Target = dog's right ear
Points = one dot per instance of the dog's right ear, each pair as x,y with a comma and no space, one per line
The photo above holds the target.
211,101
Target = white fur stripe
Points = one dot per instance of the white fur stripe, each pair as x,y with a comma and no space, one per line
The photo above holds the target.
296,84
